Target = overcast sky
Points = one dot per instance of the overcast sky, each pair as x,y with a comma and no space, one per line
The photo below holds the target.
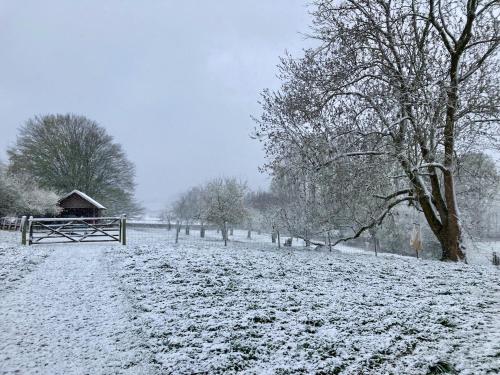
175,82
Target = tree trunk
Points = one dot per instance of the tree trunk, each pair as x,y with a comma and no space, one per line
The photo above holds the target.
187,230
249,234
273,237
202,231
231,231
224,233
373,234
451,242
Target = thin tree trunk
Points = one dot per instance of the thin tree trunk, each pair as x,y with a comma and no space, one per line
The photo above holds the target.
224,234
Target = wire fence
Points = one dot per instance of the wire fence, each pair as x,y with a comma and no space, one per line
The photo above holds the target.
139,233
161,233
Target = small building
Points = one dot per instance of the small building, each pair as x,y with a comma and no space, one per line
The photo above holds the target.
79,204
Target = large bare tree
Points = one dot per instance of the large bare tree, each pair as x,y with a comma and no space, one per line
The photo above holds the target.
410,85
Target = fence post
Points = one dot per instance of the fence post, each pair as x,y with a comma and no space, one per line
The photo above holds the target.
30,230
496,259
23,230
124,229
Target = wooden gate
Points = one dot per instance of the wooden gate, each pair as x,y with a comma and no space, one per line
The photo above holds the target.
75,230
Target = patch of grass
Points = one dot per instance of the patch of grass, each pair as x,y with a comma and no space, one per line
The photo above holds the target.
314,322
446,323
333,371
445,293
441,367
263,319
247,352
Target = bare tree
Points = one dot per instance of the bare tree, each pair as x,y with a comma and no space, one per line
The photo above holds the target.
403,88
167,214
190,207
478,183
268,207
224,203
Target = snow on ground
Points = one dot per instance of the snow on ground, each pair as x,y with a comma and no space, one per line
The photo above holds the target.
67,316
199,307
16,261
256,309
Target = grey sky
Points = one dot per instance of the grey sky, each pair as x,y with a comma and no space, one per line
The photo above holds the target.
173,81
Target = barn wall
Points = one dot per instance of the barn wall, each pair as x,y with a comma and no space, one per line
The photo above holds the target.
75,201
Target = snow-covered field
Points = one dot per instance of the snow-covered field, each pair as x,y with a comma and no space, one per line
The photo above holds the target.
198,307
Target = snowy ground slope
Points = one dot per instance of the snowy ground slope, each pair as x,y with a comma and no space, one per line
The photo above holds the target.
68,317
17,261
206,308
198,307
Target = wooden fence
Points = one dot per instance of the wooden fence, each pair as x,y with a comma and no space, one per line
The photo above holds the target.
10,223
74,230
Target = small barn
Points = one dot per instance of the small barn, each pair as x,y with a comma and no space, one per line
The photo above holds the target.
79,204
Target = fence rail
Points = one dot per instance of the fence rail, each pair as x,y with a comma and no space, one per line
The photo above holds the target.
74,230
11,223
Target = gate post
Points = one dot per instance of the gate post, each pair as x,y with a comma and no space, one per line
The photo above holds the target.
123,227
30,230
23,230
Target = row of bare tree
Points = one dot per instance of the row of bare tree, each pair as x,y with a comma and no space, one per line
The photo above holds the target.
219,202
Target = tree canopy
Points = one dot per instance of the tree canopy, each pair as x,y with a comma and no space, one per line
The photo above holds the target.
398,90
66,152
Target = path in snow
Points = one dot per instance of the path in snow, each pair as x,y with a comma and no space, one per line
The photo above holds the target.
68,317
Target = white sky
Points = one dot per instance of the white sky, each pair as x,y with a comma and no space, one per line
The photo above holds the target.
175,82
